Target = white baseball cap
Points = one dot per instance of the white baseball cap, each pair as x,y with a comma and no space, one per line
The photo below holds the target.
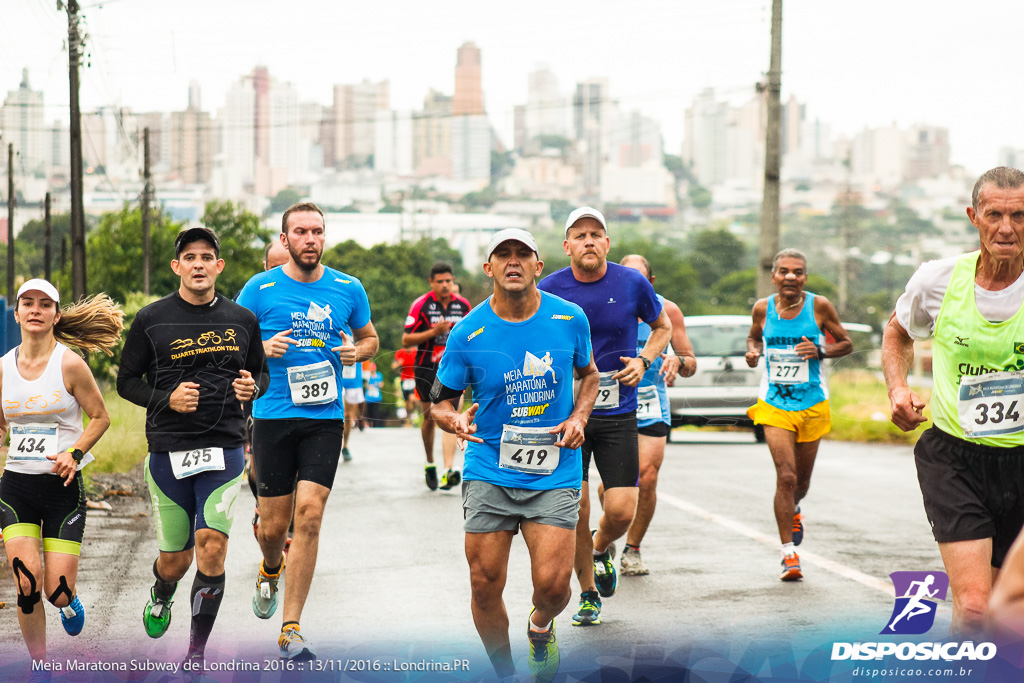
585,212
515,234
40,285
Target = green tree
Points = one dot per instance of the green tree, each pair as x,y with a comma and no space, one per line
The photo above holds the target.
714,254
283,199
700,197
242,241
501,164
114,254
393,276
480,199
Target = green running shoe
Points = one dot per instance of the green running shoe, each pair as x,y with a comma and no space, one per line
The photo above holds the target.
543,652
157,615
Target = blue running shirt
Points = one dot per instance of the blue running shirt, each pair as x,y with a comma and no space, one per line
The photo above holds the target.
522,376
316,312
612,305
652,393
790,382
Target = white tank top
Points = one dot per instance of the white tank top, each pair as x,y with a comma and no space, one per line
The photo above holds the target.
42,417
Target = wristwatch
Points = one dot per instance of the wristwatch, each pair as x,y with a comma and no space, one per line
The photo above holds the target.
76,453
647,363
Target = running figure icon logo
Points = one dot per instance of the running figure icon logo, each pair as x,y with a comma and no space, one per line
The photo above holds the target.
916,593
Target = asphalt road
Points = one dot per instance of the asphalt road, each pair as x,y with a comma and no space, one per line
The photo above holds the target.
392,584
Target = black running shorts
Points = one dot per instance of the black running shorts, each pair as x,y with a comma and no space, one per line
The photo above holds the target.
425,375
39,505
612,441
300,447
658,429
971,491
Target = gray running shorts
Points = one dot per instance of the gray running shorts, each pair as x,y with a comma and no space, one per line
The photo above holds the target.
487,507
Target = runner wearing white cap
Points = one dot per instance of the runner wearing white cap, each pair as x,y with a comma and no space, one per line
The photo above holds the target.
45,390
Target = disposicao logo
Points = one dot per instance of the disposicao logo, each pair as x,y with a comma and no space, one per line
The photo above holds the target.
916,596
914,614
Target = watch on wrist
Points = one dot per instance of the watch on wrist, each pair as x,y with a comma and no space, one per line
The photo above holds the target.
647,363
76,454
822,353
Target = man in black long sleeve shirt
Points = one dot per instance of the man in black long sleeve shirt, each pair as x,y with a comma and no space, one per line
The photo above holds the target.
190,359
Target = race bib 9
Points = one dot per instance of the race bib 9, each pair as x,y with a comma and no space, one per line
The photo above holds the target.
992,404
313,384
32,441
607,391
528,449
188,463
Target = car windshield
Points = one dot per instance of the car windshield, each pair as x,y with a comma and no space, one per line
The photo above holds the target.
718,340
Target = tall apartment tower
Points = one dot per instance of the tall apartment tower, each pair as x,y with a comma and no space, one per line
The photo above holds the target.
21,120
469,94
355,114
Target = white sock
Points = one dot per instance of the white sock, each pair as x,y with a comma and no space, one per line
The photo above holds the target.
539,629
788,549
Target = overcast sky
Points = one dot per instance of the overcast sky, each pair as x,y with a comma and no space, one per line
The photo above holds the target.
854,64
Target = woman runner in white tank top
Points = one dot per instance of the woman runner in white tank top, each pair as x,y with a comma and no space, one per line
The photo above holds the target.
44,388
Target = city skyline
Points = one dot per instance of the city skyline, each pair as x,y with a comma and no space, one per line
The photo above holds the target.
895,68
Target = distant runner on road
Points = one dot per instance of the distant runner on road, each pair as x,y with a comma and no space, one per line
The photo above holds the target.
789,330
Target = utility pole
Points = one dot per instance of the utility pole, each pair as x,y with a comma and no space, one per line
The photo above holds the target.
10,223
145,211
47,237
77,205
772,160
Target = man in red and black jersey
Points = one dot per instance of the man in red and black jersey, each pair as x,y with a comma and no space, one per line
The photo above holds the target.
430,320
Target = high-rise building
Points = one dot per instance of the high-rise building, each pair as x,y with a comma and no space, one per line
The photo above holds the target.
547,108
355,114
927,152
469,94
22,123
591,106
191,142
432,136
394,143
725,144
261,141
471,148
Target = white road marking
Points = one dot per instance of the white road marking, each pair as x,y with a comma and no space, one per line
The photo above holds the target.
772,542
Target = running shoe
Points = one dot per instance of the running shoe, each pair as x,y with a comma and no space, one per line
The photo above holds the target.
632,564
450,479
264,599
39,676
294,646
589,613
791,568
256,523
346,455
798,527
194,664
73,617
157,615
431,474
543,652
605,575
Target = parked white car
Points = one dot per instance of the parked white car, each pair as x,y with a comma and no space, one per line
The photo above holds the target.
723,387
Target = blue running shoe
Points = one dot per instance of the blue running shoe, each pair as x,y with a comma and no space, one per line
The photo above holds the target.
798,527
73,617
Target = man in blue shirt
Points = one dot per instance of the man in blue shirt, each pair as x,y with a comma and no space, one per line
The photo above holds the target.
519,351
303,309
613,297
